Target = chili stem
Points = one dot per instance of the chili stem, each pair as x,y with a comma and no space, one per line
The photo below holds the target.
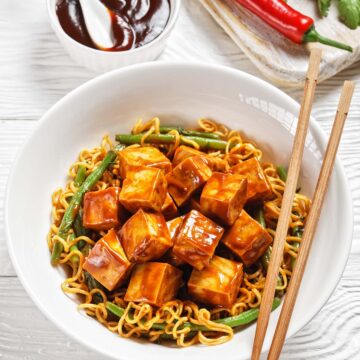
313,36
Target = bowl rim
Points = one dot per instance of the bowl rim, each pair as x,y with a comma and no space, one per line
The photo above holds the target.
313,125
173,17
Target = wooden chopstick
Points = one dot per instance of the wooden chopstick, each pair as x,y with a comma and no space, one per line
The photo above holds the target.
312,221
286,207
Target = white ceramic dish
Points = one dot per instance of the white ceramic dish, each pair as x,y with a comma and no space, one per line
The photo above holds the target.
181,94
102,61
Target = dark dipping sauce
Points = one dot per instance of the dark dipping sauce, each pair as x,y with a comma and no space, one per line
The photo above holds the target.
134,22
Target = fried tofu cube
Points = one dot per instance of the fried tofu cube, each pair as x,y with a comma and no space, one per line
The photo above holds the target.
131,158
247,239
107,261
145,237
174,226
197,239
271,212
144,188
223,197
169,209
172,259
195,204
154,283
218,284
187,177
183,152
216,164
101,209
258,185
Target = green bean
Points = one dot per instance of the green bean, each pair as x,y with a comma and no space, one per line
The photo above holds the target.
80,176
234,321
79,228
165,129
79,179
265,258
86,249
283,176
261,218
282,172
204,143
92,284
73,208
114,309
297,231
74,259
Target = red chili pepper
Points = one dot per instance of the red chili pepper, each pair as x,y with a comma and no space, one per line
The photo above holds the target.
294,25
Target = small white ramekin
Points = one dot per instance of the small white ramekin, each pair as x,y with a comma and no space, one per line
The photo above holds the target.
102,61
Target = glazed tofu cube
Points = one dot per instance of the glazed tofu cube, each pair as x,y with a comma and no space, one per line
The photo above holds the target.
169,209
218,284
107,262
216,164
174,226
183,152
195,204
145,236
223,197
131,158
271,212
247,239
145,188
258,185
154,283
197,239
101,209
172,259
187,177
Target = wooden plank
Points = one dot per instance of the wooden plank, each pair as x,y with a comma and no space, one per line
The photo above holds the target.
12,135
35,72
333,334
25,333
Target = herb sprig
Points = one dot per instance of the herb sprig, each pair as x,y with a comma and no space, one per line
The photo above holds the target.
349,11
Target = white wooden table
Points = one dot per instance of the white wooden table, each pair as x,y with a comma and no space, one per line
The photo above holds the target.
35,72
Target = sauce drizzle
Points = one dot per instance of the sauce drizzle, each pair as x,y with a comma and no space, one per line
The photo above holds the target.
134,22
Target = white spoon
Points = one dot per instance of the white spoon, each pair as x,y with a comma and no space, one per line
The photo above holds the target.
98,23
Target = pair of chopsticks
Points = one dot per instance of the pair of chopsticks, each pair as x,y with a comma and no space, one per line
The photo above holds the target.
286,208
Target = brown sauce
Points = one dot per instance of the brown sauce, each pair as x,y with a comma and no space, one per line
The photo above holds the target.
134,22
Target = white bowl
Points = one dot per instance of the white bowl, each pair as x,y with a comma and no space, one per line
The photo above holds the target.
102,61
181,94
